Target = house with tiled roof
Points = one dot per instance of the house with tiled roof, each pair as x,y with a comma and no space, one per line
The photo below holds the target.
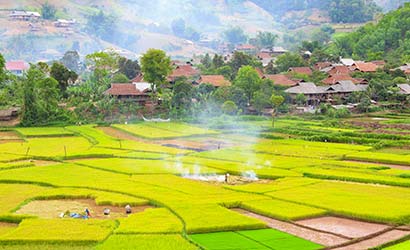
138,91
215,80
186,70
322,65
405,68
404,89
333,79
364,67
338,70
281,79
246,48
301,70
17,67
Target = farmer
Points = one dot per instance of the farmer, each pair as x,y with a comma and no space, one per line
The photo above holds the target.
87,213
128,209
107,211
226,177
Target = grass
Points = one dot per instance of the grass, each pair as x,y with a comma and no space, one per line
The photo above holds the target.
282,210
367,202
252,239
44,132
401,246
163,130
151,221
380,158
59,230
146,242
46,246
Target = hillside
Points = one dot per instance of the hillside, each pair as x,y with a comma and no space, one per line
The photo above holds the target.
140,25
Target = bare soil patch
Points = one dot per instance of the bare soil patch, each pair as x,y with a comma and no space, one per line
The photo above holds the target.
376,241
346,227
53,208
120,134
325,239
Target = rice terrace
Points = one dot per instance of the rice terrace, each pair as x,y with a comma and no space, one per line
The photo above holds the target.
305,184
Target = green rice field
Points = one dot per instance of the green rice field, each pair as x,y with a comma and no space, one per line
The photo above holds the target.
173,177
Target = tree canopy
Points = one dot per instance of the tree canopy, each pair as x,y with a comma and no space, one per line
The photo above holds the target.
156,66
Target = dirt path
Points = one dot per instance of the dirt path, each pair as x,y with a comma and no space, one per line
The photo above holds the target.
325,239
376,241
116,133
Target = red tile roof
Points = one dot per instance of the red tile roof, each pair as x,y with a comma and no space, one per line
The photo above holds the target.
365,67
301,70
183,70
260,72
322,65
281,79
333,79
120,89
339,70
138,78
16,65
215,80
264,55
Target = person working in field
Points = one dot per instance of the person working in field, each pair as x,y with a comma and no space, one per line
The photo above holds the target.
128,209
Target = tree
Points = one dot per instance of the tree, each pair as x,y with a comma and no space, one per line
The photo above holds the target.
129,67
156,66
276,101
288,60
240,59
266,39
206,61
120,78
235,35
48,11
301,99
40,98
102,25
218,61
104,63
2,69
248,79
63,75
71,60
182,94
229,107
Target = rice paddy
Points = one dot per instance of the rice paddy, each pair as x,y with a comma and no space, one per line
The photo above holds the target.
172,175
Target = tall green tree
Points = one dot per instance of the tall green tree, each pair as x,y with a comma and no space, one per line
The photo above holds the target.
266,39
63,75
235,35
276,101
248,79
156,66
48,11
288,60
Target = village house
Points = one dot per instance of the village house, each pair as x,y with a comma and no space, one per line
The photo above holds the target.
301,70
281,80
63,23
324,94
17,67
405,68
139,92
347,61
184,70
9,114
215,80
404,89
246,48
265,58
278,51
364,67
21,15
333,79
322,65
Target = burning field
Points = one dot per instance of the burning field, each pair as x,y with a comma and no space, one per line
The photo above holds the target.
197,186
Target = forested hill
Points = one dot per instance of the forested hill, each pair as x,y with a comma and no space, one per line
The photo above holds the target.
340,11
389,38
